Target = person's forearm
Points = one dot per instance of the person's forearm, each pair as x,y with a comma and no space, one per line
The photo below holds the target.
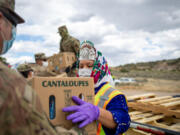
106,119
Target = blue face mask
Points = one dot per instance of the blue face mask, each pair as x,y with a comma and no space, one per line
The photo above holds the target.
7,44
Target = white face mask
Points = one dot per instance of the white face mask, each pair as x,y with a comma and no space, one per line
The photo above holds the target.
85,72
32,74
45,64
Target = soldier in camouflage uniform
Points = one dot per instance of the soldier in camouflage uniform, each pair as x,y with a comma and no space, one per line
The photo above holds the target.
68,44
40,67
40,58
20,108
27,72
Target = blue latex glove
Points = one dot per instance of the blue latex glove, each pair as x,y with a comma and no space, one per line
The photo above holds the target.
83,112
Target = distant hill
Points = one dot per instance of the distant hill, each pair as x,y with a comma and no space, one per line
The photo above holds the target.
163,65
165,69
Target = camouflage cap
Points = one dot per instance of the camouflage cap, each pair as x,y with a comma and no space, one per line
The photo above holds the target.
7,7
40,56
24,68
62,28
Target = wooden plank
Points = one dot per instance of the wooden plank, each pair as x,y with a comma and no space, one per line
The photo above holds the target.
150,119
165,101
175,127
140,106
135,112
132,131
161,125
169,112
143,96
146,107
176,108
171,104
141,116
154,99
156,109
171,120
135,118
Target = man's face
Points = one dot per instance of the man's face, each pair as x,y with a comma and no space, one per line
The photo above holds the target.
63,33
39,62
5,30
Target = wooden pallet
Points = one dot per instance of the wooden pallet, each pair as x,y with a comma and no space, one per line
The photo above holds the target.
167,105
162,112
144,117
139,97
158,120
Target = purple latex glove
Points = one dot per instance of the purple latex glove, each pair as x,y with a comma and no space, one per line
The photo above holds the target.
83,112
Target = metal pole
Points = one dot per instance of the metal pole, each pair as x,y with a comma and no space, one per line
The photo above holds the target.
152,129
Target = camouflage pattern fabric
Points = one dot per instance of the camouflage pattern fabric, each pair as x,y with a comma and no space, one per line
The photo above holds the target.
20,108
40,56
21,112
8,3
24,68
7,7
70,44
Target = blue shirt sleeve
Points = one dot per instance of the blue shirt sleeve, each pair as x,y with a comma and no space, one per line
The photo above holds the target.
118,107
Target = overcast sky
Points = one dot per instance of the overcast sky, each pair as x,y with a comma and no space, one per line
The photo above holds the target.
125,31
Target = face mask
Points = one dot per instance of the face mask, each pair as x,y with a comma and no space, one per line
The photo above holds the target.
7,44
45,64
32,74
85,72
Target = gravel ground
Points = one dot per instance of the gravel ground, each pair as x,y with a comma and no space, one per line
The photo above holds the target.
158,93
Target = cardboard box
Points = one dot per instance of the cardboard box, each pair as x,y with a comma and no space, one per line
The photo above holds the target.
66,59
51,63
59,62
55,94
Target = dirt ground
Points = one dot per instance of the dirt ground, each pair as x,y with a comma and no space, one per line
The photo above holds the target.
139,92
157,86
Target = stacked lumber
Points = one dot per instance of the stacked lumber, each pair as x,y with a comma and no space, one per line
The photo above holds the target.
162,111
139,97
167,105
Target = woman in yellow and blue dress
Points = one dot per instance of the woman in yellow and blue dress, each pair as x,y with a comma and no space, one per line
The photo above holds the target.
110,106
